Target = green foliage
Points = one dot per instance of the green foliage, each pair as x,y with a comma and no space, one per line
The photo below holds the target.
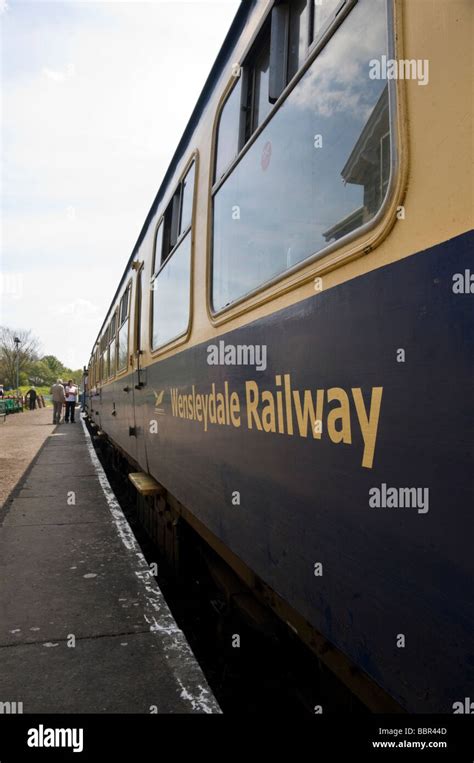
42,371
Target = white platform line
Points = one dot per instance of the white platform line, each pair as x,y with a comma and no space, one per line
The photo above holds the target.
158,616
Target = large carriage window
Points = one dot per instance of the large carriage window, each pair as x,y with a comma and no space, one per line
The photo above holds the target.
318,170
171,279
122,338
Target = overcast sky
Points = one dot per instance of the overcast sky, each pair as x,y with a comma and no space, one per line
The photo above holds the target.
94,99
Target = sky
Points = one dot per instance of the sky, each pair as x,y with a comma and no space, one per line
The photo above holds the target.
94,98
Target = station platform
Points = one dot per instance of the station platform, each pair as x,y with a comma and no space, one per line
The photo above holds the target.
84,627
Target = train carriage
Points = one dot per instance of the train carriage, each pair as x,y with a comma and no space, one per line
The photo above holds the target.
289,351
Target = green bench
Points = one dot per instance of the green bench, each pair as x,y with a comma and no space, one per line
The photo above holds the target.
9,406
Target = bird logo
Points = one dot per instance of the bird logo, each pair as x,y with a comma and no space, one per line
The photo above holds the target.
158,400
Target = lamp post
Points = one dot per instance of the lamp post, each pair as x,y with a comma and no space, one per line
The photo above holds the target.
17,345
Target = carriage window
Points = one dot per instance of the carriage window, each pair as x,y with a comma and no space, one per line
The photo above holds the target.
171,279
171,225
261,73
158,248
171,292
112,346
104,357
122,338
228,133
187,195
318,170
112,327
124,307
122,350
323,12
298,36
176,220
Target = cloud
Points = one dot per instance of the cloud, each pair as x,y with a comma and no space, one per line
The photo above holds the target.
78,308
339,79
95,97
58,76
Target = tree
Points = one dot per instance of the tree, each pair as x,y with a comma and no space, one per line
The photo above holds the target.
40,374
33,369
55,366
25,354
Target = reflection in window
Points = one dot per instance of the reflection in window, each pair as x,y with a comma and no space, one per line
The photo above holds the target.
170,225
176,220
171,294
367,167
123,347
261,103
293,196
124,306
298,36
228,131
187,200
158,248
323,11
122,338
112,358
111,348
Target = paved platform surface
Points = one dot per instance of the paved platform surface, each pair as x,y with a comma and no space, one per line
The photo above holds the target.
84,627
21,436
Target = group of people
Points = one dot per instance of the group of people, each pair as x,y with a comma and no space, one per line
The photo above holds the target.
31,398
64,395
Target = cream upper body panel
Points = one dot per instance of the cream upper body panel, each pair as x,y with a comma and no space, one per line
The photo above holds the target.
433,181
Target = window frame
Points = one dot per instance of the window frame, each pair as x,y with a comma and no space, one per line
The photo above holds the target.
155,271
395,178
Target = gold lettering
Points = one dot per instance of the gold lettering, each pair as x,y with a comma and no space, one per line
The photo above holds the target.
220,408
308,415
235,409
251,397
368,424
268,412
343,413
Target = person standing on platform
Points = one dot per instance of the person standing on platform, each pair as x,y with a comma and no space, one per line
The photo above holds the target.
71,399
31,395
58,396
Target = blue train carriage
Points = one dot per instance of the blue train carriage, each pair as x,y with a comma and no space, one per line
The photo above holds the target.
289,351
